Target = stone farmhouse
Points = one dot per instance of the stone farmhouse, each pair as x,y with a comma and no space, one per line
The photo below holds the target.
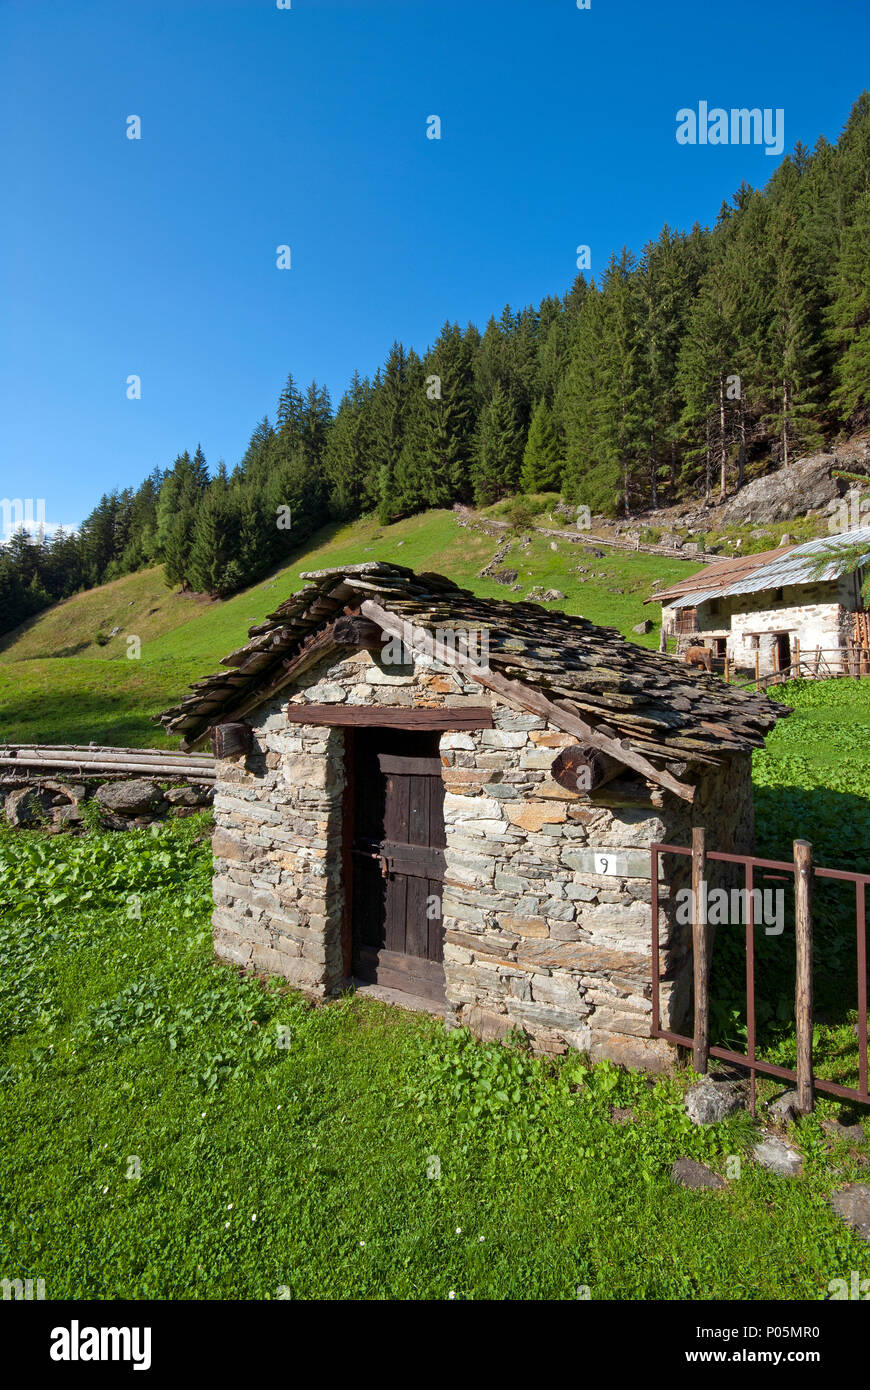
777,605
449,802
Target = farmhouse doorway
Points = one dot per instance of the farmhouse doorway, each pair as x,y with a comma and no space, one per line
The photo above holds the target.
783,651
397,844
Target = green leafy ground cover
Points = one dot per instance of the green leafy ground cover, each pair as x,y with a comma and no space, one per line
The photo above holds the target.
343,1151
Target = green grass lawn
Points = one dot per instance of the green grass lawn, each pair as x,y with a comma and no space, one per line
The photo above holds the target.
173,1129
811,781
58,684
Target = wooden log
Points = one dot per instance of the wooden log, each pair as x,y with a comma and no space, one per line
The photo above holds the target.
803,1005
582,768
121,756
700,951
355,631
85,768
623,791
232,740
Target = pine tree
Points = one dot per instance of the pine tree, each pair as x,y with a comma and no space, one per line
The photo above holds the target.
705,363
291,409
177,547
213,543
849,318
620,439
794,344
386,419
410,483
496,467
542,457
346,460
438,444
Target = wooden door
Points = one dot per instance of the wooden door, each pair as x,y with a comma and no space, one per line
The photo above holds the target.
398,863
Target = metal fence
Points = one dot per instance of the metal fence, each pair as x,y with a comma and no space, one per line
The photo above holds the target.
805,873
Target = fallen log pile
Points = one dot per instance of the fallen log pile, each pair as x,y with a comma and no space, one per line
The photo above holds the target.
86,759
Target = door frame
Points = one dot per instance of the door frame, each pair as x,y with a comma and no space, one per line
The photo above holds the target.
442,720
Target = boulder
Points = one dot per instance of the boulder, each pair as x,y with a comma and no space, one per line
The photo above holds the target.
29,806
643,628
34,804
778,1157
709,1101
506,577
687,1173
804,486
133,798
852,1204
189,796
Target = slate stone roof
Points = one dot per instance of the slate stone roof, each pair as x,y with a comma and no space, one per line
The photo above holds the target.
660,707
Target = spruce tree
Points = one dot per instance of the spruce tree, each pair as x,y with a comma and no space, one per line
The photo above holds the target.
542,457
496,467
849,318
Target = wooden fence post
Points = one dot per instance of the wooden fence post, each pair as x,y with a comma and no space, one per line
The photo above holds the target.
797,655
700,951
757,657
727,670
803,1004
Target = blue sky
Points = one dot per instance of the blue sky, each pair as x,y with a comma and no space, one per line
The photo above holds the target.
307,127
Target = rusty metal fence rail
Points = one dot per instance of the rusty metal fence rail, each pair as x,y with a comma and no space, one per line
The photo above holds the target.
805,872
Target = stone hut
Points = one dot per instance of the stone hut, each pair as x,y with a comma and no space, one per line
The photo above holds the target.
450,802
797,608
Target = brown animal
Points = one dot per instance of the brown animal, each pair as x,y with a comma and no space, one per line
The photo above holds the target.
700,656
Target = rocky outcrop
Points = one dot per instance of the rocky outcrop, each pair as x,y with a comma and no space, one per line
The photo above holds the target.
808,485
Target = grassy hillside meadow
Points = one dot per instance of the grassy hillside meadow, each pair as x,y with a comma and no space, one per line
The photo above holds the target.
163,1140
59,685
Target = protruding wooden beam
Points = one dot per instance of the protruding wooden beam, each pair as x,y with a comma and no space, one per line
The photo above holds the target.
354,631
582,768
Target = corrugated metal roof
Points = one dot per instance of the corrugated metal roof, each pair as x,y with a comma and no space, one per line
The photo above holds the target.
798,566
718,574
692,600
795,566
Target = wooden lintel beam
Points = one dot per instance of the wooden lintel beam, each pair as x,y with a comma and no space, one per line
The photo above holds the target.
444,717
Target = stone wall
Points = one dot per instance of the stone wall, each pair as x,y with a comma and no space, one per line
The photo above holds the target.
535,937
